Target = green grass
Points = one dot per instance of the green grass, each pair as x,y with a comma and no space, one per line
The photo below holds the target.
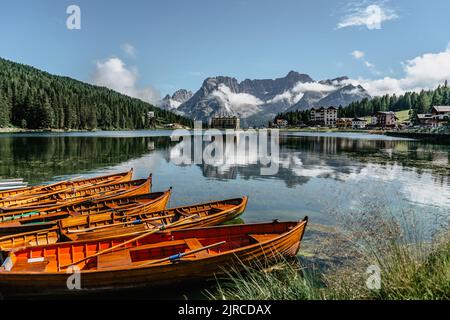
411,268
283,281
405,275
402,115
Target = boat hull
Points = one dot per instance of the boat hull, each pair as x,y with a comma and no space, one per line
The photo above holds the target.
60,232
28,192
286,244
68,196
43,218
105,192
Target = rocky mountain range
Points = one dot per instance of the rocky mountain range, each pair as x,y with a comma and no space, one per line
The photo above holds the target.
258,101
173,102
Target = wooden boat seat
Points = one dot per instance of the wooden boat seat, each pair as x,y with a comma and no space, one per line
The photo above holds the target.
111,206
183,213
158,245
114,259
262,237
195,244
25,265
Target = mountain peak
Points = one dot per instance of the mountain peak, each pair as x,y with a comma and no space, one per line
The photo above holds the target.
182,95
335,81
173,102
292,74
258,100
298,77
340,79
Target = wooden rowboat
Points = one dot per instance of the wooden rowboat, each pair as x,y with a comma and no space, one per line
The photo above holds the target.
27,192
130,188
12,184
165,258
136,221
118,208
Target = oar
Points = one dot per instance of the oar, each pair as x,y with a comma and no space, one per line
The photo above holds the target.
18,216
127,242
138,221
181,255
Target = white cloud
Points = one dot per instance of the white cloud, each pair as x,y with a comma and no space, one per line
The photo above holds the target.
294,95
287,96
243,104
358,54
371,16
368,64
129,50
114,74
312,86
424,72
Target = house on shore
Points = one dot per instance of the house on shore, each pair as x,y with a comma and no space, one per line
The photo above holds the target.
441,116
226,123
343,123
324,116
424,119
359,123
281,123
385,119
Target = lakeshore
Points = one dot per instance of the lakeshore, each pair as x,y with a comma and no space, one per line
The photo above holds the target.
328,176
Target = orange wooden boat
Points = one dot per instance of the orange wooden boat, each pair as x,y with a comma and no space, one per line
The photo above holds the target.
165,258
135,220
60,186
119,208
130,188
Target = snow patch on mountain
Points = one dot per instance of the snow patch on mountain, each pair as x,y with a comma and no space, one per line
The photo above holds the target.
257,101
172,103
294,95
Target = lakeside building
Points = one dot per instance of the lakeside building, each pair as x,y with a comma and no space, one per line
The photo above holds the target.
439,116
385,119
343,123
226,123
424,120
324,116
359,123
281,123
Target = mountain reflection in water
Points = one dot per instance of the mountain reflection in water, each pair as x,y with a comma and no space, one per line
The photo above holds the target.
318,174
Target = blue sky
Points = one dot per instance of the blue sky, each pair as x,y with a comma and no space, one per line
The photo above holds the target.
175,44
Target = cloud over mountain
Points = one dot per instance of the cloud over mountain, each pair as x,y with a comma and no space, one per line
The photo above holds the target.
114,74
371,16
257,101
423,72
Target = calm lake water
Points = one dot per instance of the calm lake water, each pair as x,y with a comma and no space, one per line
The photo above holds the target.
319,174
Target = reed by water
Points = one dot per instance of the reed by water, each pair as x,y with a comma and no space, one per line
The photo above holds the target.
412,265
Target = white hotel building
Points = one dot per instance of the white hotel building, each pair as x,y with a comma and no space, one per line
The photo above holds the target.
325,116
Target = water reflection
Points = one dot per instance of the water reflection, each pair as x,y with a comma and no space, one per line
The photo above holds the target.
315,172
41,158
302,158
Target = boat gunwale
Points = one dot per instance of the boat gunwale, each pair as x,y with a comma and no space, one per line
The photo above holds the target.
57,227
19,192
121,193
299,224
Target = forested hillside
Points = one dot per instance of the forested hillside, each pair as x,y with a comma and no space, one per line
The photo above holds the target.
416,102
33,99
